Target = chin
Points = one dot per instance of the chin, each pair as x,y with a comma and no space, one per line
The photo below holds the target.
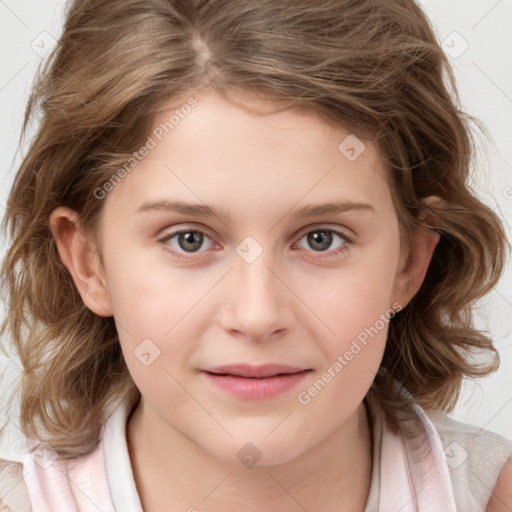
260,453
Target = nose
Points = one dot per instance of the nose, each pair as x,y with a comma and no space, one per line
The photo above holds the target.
257,303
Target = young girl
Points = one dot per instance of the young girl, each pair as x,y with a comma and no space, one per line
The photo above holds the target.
243,257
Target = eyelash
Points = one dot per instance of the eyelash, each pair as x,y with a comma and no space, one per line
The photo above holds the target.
322,254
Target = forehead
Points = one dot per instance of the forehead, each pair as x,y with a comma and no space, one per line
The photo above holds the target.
253,153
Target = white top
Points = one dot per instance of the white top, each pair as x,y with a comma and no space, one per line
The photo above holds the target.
451,467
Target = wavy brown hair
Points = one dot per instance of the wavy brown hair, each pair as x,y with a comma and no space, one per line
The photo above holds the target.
373,67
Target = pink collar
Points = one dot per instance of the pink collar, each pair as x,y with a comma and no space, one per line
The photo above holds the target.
410,474
413,474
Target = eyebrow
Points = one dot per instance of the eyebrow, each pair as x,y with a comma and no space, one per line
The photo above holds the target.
203,210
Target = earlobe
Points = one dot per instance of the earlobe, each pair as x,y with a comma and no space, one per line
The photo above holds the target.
79,255
412,273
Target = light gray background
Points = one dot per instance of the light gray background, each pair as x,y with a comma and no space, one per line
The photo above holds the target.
477,36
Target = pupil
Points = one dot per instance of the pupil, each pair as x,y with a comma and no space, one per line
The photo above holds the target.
193,238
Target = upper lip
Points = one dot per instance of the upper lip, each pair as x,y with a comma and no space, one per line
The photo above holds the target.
261,371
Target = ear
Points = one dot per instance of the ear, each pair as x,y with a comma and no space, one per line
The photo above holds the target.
411,273
80,256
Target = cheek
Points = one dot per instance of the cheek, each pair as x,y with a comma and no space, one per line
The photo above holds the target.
160,316
148,294
357,311
354,298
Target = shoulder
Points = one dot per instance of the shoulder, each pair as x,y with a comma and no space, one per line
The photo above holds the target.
479,461
476,438
14,496
13,491
501,497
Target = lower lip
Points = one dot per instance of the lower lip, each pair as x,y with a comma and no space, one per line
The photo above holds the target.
256,389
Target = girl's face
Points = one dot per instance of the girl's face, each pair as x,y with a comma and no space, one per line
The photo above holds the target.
243,246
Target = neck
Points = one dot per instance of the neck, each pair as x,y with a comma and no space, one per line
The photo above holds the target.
334,475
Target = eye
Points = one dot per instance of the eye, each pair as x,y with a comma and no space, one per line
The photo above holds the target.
321,239
184,241
190,241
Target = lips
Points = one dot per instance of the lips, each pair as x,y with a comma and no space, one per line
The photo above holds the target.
250,371
255,382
